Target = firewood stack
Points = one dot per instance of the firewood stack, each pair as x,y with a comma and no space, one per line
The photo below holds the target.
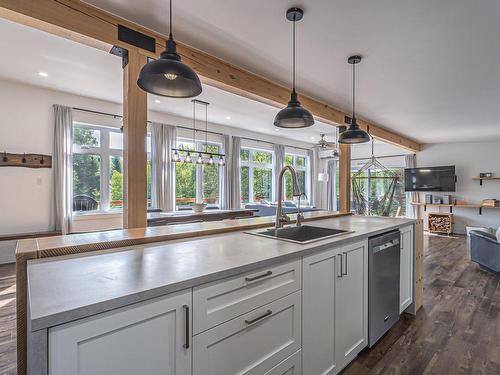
440,223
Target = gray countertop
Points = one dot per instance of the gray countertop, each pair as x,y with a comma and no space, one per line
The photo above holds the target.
67,288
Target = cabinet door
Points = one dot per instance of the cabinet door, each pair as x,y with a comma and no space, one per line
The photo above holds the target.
351,303
150,338
319,274
253,343
406,269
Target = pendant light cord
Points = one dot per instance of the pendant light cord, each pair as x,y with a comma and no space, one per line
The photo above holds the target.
194,125
170,16
206,127
293,55
353,92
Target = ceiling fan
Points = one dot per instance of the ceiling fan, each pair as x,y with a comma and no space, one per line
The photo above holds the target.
324,144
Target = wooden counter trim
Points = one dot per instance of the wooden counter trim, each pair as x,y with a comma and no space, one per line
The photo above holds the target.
46,247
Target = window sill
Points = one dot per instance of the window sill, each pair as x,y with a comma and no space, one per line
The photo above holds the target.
96,215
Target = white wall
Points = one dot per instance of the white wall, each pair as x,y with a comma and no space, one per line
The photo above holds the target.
27,126
469,159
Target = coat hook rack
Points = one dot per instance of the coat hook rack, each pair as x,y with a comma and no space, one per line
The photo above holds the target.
26,160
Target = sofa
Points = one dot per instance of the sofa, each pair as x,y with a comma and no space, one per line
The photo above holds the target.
485,250
263,209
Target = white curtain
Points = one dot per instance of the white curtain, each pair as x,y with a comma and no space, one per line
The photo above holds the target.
279,162
331,196
226,175
163,139
234,171
411,210
62,165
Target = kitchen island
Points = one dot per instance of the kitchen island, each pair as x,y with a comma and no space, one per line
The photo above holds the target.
220,304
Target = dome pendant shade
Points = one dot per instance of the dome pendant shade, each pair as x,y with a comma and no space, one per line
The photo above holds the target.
294,115
168,76
354,134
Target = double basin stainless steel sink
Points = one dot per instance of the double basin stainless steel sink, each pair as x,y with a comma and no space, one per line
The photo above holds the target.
300,234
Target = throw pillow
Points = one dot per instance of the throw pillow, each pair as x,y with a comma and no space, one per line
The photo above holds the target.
498,234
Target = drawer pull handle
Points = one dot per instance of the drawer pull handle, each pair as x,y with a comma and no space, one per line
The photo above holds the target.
266,314
268,273
186,343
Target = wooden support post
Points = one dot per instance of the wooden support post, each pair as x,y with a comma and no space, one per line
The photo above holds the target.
134,143
345,178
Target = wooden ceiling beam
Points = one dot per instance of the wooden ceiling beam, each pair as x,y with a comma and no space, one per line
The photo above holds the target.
84,23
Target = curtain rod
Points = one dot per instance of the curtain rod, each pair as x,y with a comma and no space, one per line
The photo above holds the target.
271,143
182,127
383,157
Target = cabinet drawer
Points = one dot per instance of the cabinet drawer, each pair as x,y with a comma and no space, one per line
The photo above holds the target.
290,366
253,343
220,301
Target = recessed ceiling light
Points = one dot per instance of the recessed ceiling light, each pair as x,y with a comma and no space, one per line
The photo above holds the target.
277,129
157,101
312,137
43,74
228,117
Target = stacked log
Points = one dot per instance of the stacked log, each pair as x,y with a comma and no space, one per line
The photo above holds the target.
440,223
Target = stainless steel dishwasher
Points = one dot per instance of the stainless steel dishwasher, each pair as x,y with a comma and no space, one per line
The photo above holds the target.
383,284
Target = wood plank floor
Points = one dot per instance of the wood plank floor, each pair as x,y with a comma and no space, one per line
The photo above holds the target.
458,329
456,332
7,319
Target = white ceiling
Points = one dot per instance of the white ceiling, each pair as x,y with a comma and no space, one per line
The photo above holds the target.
430,68
83,70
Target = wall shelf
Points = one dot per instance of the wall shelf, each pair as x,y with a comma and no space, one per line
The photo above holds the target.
481,179
451,206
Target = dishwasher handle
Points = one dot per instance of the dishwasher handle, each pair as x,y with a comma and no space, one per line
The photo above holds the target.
386,245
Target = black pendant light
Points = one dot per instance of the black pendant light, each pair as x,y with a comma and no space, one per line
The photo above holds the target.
168,76
354,134
294,115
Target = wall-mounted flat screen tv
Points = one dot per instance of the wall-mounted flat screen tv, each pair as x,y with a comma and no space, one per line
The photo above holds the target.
430,179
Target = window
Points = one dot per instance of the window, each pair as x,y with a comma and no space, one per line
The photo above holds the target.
300,164
98,168
197,182
256,175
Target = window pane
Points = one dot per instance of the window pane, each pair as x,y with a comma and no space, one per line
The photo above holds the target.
300,161
262,157
288,159
211,184
115,182
288,186
148,143
185,184
301,179
244,153
262,184
86,137
245,187
86,182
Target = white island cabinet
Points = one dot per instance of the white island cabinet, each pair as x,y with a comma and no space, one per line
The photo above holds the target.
147,338
335,290
406,268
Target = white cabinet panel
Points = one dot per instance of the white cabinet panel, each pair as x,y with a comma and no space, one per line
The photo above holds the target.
147,339
290,366
406,268
252,343
320,271
351,303
220,301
